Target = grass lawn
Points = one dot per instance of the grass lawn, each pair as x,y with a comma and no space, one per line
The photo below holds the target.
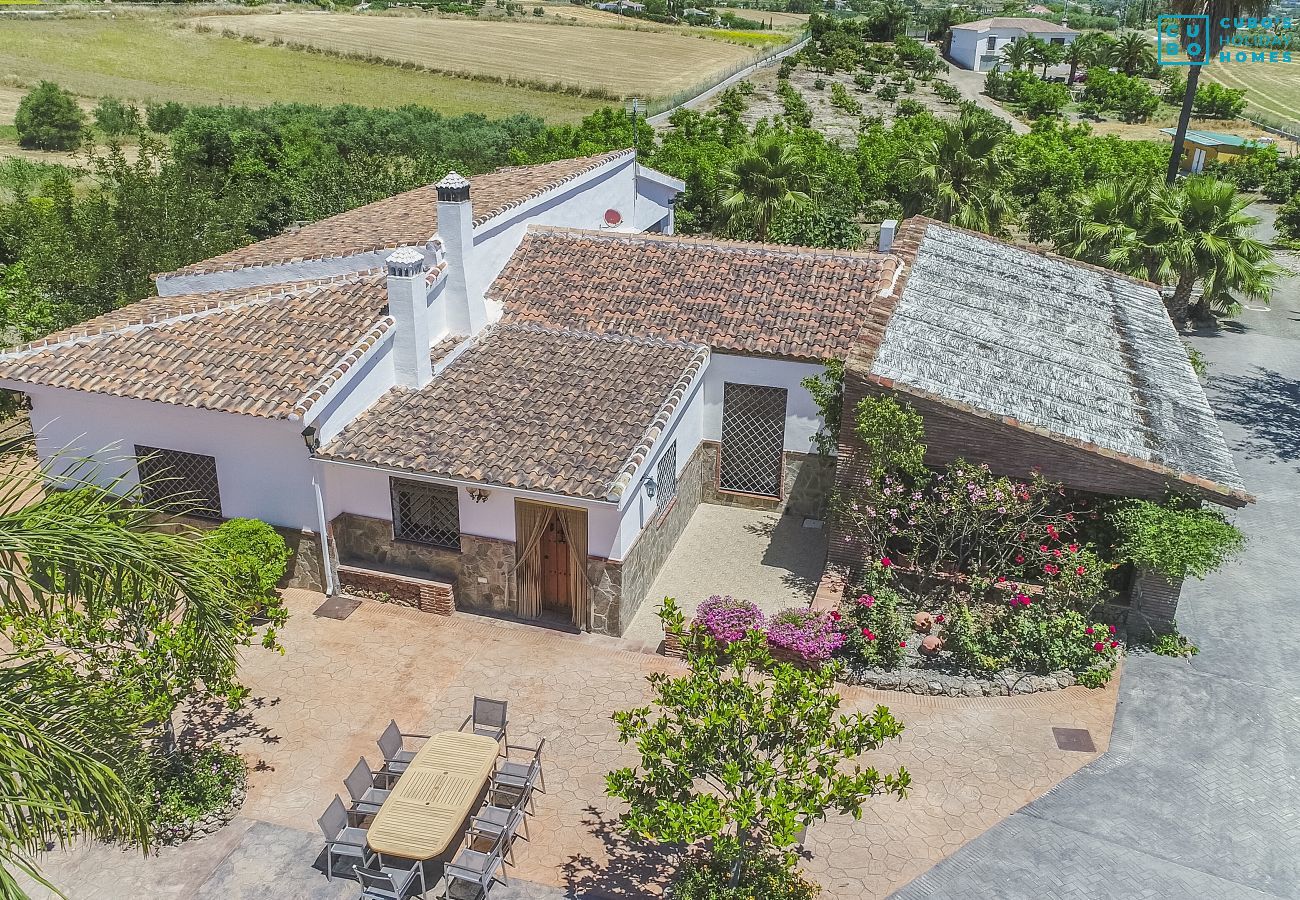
648,63
145,59
1272,89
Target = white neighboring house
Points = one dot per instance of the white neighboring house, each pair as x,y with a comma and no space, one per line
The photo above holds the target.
978,45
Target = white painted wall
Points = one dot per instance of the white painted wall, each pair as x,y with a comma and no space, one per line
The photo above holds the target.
969,47
364,492
263,470
802,419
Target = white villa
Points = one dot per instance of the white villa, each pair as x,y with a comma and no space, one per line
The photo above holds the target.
510,394
978,45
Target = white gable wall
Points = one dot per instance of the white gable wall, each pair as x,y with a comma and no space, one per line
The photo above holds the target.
263,470
970,48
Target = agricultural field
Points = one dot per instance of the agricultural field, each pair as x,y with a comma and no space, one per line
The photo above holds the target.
152,58
1272,89
621,62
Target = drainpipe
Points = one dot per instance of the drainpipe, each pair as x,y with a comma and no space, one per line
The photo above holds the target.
327,565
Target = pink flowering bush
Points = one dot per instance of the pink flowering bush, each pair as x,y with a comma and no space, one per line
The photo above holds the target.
728,619
810,635
875,629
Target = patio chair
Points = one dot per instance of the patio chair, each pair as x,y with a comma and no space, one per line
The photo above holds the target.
498,825
397,755
515,786
519,768
488,718
392,882
476,870
341,838
366,798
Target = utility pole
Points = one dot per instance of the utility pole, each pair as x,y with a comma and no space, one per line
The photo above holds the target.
633,107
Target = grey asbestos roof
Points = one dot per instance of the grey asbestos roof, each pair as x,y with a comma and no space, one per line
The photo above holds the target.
1053,344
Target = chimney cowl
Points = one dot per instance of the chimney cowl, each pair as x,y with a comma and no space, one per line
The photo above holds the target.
453,189
405,262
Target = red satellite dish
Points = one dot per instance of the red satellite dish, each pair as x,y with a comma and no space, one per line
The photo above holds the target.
613,217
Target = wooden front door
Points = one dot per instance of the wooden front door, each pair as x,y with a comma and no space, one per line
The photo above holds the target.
556,598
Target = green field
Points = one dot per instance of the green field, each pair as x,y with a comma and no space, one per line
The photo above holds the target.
153,59
1272,89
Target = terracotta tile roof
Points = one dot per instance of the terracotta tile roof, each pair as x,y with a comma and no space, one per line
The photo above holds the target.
1050,345
532,408
408,219
762,299
269,352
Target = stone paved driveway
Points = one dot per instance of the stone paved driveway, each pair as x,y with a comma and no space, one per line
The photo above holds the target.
1199,796
322,704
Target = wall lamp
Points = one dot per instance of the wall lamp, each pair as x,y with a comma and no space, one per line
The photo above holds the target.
650,488
311,437
479,495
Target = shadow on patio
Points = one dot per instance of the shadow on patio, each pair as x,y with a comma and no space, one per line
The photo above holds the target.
771,559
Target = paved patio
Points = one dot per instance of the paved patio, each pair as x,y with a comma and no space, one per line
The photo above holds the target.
770,559
322,704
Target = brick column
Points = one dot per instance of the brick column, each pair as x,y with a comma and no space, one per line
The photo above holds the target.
1153,602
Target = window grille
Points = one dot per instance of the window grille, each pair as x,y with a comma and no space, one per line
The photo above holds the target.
425,513
753,437
666,477
179,483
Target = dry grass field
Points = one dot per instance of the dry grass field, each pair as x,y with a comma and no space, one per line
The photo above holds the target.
624,62
1271,88
153,59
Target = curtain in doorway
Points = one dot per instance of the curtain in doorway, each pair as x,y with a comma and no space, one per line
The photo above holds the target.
574,523
531,520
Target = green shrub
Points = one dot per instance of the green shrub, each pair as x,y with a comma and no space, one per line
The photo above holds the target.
256,555
48,118
875,629
1174,644
841,99
1288,219
1044,98
946,92
888,93
1214,101
864,83
819,84
1176,538
909,107
1025,634
187,785
114,117
765,877
164,118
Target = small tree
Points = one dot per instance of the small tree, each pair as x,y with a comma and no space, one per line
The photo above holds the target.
744,751
48,118
115,118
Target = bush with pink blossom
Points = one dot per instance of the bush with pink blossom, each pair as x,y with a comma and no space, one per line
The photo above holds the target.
810,635
728,619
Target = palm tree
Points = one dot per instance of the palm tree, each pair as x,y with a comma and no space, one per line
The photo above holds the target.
1204,234
1019,54
1132,53
1221,15
1079,52
1194,231
766,178
74,715
959,175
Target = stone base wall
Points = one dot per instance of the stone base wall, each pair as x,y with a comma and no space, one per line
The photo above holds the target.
482,571
605,590
648,553
1153,603
807,488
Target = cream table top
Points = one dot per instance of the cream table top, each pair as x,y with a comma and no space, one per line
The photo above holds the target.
422,816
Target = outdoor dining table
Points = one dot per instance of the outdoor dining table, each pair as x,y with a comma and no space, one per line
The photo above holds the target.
422,816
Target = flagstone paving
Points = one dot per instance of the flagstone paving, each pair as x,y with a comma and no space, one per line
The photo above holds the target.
322,704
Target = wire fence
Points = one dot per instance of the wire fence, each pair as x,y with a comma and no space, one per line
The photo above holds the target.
665,105
1277,126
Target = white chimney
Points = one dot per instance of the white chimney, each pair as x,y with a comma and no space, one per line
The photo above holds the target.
466,312
887,230
408,304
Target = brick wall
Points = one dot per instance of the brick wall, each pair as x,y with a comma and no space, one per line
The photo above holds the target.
1153,603
428,596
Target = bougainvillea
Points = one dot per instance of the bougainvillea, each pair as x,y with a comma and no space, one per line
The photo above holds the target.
728,619
812,636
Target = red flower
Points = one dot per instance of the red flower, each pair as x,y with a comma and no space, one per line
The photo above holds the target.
886,562
1099,646
1112,629
1020,600
866,633
1074,548
835,616
1051,532
1114,644
902,643
1079,570
939,618
1069,517
1020,558
1088,630
1042,548
1001,578
1057,552
1051,569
